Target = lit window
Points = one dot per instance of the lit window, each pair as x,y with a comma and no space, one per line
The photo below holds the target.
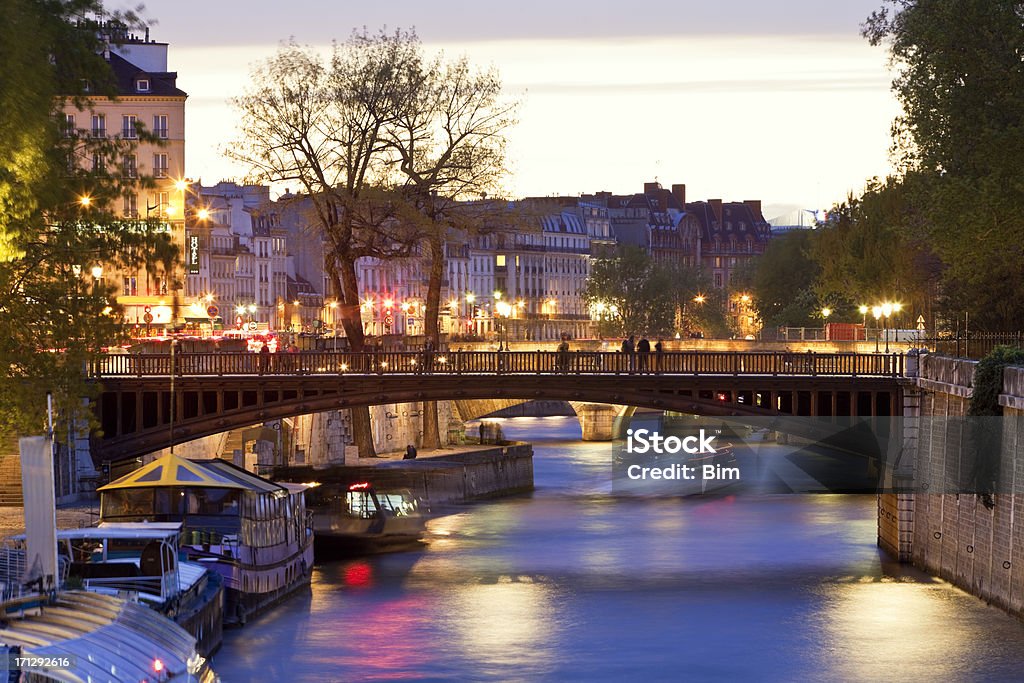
500,261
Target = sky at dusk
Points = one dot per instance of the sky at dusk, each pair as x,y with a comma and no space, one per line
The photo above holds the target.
741,99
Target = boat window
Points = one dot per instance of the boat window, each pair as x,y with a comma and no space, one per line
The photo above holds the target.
360,504
170,501
212,502
185,474
153,475
127,503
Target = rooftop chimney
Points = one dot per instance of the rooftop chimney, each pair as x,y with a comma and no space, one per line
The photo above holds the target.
716,207
755,208
680,193
651,187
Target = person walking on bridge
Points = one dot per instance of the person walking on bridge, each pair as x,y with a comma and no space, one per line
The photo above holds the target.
563,354
629,351
643,350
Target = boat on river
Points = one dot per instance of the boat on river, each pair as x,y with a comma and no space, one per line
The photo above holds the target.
364,520
256,534
140,562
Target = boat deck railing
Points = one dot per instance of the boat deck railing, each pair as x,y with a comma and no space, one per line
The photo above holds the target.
162,588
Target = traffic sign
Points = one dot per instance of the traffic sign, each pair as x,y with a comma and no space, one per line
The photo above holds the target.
148,309
252,326
212,311
317,324
147,318
388,320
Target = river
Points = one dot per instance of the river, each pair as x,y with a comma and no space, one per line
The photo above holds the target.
571,584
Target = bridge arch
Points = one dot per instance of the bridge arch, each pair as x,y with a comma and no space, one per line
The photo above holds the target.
135,412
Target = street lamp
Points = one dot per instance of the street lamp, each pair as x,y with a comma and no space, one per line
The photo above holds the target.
876,313
504,310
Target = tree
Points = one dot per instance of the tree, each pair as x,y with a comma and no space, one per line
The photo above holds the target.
55,315
959,141
449,139
632,293
323,126
783,279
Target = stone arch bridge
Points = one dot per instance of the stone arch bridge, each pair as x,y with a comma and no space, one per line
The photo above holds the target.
149,402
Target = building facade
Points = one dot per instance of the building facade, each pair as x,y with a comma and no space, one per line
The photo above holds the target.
149,100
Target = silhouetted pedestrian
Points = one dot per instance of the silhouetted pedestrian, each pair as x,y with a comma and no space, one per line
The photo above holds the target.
659,355
264,358
643,350
629,349
563,355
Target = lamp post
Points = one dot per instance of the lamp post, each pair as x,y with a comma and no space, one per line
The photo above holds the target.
886,312
864,319
502,309
876,313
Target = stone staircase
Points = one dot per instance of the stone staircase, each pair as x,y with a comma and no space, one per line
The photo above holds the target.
10,481
235,441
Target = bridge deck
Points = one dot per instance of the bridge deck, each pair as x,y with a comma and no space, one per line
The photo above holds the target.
687,363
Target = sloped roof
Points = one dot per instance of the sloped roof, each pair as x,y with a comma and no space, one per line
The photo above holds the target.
161,84
171,470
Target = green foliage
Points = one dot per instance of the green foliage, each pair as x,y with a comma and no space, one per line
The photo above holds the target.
633,294
988,380
984,446
959,143
54,314
782,281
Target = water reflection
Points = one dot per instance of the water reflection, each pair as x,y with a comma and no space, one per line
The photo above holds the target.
504,626
572,584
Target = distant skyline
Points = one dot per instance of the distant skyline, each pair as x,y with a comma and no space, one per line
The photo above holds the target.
783,102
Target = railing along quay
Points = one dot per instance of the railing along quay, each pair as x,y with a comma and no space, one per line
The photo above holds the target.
500,363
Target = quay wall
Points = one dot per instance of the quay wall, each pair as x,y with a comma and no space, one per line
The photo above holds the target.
939,523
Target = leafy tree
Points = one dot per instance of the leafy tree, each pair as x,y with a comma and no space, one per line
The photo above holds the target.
783,280
324,126
959,141
632,293
56,316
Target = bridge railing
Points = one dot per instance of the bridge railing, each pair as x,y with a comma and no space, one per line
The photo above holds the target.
501,362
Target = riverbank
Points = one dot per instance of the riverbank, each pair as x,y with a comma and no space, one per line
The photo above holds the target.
12,519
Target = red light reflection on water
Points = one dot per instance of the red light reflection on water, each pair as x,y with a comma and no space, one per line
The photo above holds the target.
358,575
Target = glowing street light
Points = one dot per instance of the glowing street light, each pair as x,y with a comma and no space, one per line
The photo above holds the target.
699,299
826,312
85,201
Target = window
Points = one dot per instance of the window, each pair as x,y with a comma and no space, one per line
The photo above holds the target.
129,166
162,202
130,288
159,165
160,125
718,280
99,125
142,85
97,163
131,205
499,261
128,130
69,125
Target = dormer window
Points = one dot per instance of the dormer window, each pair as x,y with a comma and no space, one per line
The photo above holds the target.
142,85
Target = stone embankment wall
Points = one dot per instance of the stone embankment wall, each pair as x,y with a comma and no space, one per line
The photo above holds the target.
940,525
455,478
